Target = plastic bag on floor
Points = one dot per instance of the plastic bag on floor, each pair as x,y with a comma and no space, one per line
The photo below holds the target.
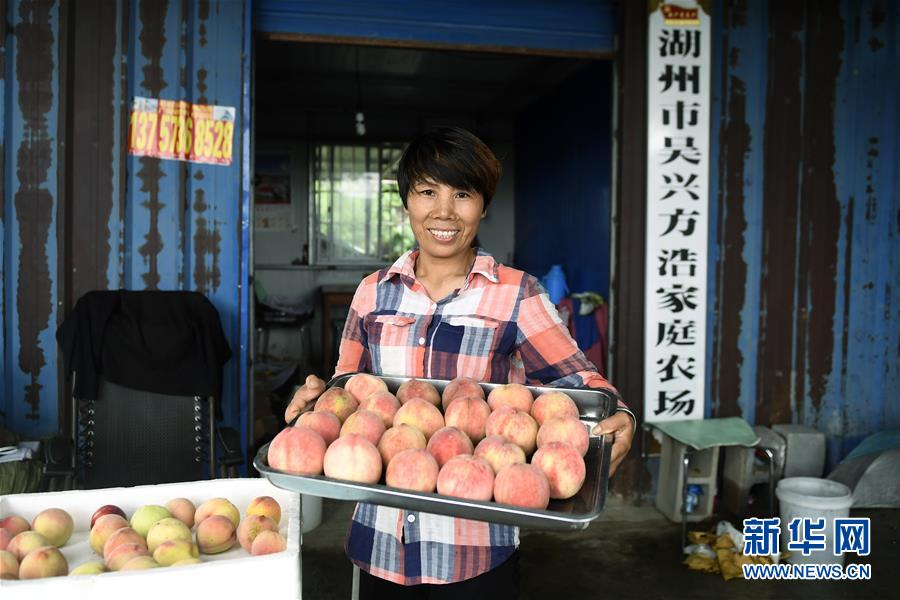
721,551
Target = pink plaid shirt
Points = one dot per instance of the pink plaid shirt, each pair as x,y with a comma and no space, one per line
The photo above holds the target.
499,327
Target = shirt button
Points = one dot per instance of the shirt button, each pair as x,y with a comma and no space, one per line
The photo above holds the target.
411,518
421,341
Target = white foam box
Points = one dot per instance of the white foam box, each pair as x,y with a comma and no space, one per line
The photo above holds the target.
231,574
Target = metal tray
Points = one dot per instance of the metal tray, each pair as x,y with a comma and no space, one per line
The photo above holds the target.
576,513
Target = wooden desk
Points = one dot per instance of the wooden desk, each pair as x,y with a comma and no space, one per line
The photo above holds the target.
332,297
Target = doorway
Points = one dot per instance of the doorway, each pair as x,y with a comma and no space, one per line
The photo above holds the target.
332,117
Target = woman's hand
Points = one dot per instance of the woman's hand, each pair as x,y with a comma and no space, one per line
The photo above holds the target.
307,392
622,427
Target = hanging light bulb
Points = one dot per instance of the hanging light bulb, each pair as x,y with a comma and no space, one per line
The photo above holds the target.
360,117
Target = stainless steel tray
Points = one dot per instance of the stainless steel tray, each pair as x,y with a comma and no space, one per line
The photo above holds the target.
561,515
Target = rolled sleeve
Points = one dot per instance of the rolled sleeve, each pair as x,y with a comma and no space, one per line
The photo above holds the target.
549,354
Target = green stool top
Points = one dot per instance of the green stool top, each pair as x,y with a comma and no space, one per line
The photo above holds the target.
708,433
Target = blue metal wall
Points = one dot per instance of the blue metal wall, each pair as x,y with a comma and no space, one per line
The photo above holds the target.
806,200
537,25
805,235
563,181
81,214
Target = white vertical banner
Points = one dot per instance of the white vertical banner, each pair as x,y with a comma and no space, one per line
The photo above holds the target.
678,106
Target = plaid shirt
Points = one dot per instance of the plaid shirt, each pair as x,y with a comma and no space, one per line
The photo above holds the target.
500,327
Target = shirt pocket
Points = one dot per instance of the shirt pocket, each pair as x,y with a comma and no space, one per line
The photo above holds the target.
389,330
468,336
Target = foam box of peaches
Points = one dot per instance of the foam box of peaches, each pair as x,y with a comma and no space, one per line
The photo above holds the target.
503,453
215,573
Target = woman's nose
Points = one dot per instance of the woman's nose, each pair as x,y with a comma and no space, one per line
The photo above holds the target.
444,208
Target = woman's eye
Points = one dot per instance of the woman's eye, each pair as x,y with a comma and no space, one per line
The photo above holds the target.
426,192
463,195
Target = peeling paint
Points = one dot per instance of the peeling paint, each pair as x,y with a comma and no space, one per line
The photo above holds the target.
732,270
34,203
782,155
152,39
201,86
203,15
94,145
820,219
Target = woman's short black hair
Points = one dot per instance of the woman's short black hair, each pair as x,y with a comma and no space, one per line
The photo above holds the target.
453,156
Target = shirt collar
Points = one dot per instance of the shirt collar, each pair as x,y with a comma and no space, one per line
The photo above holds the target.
485,265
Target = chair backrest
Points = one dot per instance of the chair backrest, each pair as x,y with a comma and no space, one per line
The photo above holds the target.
129,437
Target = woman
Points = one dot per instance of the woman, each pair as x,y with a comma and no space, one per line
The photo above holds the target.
446,310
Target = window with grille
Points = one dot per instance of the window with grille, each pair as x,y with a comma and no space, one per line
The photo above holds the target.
356,213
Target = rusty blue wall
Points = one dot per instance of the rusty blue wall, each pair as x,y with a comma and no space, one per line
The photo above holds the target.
31,162
81,214
804,231
805,235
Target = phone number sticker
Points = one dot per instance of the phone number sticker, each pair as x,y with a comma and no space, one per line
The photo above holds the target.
179,130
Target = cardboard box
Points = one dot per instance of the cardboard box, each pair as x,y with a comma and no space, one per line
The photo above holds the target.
232,574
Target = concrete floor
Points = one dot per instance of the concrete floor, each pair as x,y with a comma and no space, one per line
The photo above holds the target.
630,552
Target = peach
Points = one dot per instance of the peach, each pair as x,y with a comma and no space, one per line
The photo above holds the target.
516,426
55,524
353,458
466,477
448,442
9,565
218,506
126,535
363,385
14,524
420,414
268,542
553,404
416,388
165,530
296,450
563,466
5,537
459,388
265,506
104,527
515,395
140,563
364,423
171,551
499,453
46,561
469,415
384,404
323,422
93,567
123,553
107,509
216,534
567,430
415,470
251,526
337,401
25,542
522,485
400,438
186,561
183,510
144,517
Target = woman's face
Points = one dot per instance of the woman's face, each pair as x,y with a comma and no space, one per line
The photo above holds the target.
444,219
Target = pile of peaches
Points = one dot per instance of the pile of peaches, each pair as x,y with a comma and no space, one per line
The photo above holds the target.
509,447
155,536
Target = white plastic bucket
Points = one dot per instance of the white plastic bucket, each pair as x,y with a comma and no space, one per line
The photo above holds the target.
312,511
814,498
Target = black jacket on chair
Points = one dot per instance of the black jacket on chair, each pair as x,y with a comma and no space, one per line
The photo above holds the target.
162,342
